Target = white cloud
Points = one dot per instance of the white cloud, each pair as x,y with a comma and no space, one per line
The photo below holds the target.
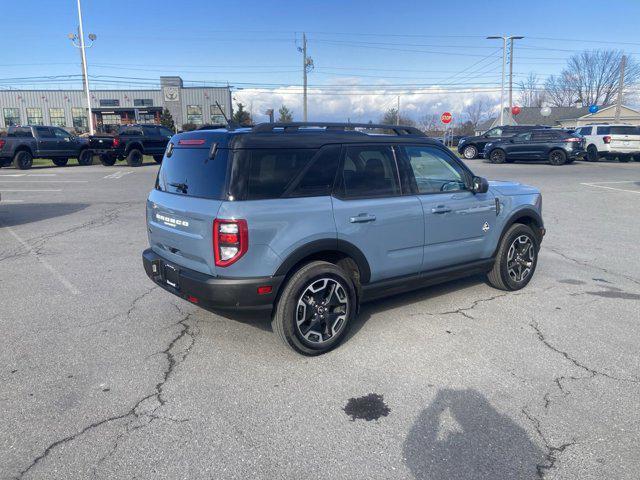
362,104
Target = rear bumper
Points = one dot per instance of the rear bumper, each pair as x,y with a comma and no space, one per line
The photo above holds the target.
211,292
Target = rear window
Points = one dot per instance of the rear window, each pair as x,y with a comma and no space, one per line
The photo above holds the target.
190,172
621,130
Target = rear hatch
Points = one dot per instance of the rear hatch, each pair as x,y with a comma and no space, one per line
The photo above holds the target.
189,190
624,138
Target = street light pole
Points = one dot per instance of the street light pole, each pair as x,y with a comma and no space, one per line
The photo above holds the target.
307,66
85,77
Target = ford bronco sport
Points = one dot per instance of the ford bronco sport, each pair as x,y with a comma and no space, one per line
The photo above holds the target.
310,220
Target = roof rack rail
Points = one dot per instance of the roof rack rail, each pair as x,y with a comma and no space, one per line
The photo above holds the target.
295,126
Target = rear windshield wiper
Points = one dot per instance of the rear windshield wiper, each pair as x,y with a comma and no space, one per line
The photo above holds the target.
180,186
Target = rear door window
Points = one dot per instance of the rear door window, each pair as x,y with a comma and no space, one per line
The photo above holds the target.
190,172
585,130
369,171
44,132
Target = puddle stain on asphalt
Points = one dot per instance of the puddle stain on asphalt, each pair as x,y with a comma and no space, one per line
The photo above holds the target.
571,281
370,407
616,293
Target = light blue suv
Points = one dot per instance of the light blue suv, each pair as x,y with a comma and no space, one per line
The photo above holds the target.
310,220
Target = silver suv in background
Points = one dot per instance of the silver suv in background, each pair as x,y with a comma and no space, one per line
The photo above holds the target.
611,141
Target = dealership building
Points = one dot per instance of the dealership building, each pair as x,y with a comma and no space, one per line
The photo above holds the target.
110,108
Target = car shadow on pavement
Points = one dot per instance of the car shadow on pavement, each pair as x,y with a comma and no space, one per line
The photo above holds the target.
12,214
460,435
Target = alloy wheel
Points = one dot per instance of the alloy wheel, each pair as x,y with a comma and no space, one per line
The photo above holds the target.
520,258
322,310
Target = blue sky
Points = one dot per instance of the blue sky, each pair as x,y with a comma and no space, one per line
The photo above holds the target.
376,48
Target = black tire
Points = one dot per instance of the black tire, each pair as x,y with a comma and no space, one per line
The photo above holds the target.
107,160
557,157
592,153
500,276
624,158
570,160
291,304
23,160
158,158
85,158
497,156
134,158
470,152
59,162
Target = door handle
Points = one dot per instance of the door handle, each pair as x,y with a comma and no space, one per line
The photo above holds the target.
440,209
363,218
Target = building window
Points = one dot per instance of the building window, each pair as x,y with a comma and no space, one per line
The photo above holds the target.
57,117
217,115
34,116
111,119
11,116
79,118
142,102
146,118
194,114
109,102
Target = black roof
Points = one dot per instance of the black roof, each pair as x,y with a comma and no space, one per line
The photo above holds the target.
304,135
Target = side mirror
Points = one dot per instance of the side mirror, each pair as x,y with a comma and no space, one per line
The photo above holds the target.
486,135
479,185
513,140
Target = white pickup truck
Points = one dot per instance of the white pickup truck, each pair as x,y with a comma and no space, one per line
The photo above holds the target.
611,141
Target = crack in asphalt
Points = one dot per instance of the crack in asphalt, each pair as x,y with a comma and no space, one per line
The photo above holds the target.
127,314
463,311
553,452
107,217
173,360
587,264
592,372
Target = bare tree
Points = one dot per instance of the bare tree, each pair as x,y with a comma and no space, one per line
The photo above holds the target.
477,111
591,78
430,122
391,117
531,93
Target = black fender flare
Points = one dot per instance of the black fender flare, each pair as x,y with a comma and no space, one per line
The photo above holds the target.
526,212
131,146
22,148
327,245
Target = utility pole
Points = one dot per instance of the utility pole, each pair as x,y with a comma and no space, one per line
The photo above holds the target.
512,38
623,64
398,112
307,66
504,39
85,77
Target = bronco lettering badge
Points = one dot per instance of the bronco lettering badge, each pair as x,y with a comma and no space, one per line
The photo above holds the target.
171,222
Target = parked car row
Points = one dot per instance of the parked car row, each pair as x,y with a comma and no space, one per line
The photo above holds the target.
23,144
558,146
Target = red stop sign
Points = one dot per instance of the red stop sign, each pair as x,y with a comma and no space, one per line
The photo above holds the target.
446,117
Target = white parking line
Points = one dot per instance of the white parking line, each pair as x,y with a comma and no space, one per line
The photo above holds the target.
44,181
47,190
118,174
67,284
11,201
597,185
14,175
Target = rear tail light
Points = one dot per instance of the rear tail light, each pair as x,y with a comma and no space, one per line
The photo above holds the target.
572,139
230,241
116,142
606,139
2,142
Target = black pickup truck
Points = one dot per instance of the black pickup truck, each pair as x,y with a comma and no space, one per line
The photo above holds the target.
131,142
22,144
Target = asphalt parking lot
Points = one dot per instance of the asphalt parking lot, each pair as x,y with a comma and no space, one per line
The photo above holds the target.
103,375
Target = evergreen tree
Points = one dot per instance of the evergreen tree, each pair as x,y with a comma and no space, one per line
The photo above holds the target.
166,120
241,116
286,115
